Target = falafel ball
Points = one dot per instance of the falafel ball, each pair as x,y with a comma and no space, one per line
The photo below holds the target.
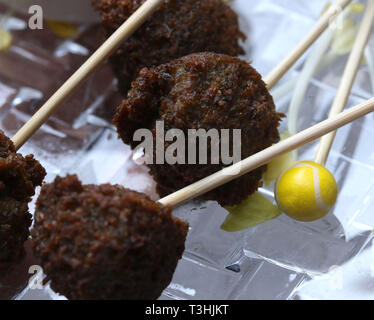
176,29
19,176
202,91
105,242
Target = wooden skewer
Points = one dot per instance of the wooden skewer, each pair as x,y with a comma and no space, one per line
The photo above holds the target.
347,81
263,157
274,76
123,33
108,47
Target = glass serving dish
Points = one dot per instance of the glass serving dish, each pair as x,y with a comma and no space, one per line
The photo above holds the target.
280,259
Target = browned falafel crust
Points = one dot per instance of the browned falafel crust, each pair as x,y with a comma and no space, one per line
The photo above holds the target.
105,242
202,91
19,176
178,28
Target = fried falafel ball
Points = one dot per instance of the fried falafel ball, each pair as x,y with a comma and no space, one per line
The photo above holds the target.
176,29
202,91
19,176
105,242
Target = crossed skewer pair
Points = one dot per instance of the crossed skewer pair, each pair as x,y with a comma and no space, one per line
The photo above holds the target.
335,121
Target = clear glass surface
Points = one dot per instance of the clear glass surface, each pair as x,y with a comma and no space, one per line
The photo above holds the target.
280,259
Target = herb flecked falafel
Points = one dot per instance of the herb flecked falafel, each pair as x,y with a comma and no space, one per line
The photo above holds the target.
105,242
19,176
202,91
176,29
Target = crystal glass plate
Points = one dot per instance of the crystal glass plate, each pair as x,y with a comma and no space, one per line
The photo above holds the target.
280,259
